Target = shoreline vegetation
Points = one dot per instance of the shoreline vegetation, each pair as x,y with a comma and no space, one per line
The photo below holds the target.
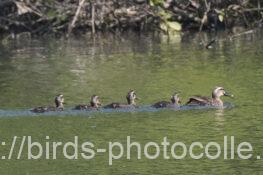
76,17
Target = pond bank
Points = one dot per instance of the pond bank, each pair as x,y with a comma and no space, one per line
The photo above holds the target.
63,18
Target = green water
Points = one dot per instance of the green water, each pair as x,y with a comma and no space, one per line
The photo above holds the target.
32,72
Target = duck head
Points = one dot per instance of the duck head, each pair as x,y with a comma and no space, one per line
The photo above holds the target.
95,101
59,101
131,97
220,91
175,99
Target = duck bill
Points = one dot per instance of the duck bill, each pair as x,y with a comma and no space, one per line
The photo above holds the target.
228,94
137,98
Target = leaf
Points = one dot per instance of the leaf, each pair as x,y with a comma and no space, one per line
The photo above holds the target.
164,27
171,28
163,14
51,13
221,18
156,2
221,14
174,26
151,3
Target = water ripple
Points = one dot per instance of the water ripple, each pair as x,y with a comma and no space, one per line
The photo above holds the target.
72,112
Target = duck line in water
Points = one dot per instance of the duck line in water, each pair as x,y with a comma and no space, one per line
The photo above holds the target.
131,97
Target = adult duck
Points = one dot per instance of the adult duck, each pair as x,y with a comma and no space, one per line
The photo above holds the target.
216,101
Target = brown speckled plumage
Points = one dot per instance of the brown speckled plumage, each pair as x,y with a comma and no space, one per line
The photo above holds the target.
131,97
175,103
214,101
94,104
59,101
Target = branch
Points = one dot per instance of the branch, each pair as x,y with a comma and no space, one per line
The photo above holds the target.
72,25
205,15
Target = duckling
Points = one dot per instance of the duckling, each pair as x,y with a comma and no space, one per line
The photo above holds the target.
214,101
59,101
131,97
94,104
175,103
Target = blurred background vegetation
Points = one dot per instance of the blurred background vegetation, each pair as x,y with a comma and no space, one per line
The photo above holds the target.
66,17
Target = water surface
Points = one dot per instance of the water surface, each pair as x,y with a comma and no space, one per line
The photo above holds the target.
33,71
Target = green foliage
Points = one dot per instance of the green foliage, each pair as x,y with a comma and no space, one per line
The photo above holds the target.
50,1
164,27
174,26
51,13
221,15
171,27
165,15
221,18
156,2
167,26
